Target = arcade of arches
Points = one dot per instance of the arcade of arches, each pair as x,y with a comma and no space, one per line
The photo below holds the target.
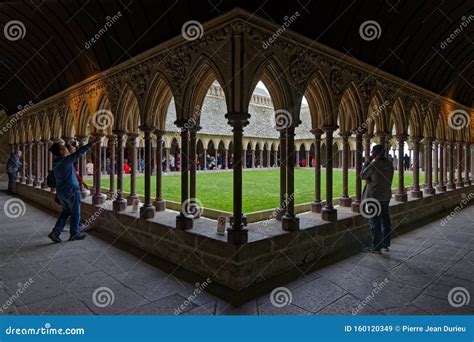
348,107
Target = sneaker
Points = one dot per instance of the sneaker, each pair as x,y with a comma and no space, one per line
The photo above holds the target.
80,236
371,250
54,237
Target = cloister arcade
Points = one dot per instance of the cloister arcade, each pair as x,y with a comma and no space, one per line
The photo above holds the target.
353,103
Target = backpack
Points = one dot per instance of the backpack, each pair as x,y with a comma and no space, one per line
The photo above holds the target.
51,180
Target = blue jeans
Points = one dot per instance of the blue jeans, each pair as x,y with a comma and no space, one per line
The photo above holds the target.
70,207
11,180
381,228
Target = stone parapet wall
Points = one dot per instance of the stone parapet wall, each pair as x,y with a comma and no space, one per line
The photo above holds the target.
271,253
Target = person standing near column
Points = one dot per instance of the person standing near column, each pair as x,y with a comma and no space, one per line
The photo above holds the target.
13,166
68,190
378,173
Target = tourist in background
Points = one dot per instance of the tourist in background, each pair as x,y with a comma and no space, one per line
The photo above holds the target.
89,168
13,166
378,174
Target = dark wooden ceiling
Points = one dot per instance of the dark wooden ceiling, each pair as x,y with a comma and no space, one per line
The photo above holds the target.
52,55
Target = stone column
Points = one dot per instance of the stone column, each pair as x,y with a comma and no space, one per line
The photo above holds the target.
30,163
450,163
416,192
226,161
401,194
435,163
132,138
283,155
23,172
120,204
237,233
112,139
147,211
440,186
81,164
244,158
205,159
167,162
355,206
367,138
184,220
104,159
308,162
45,165
269,157
459,179
37,154
467,179
289,221
429,190
192,156
316,205
345,200
98,197
253,158
329,213
159,203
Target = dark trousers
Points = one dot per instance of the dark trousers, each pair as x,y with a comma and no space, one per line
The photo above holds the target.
381,228
71,207
11,181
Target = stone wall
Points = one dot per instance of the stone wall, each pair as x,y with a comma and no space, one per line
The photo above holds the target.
271,254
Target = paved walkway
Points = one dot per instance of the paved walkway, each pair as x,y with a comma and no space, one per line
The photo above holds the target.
415,277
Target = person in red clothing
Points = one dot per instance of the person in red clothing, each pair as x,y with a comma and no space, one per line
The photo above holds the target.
303,162
313,161
126,167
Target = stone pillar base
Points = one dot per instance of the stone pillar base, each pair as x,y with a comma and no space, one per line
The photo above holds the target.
237,236
44,186
345,201
316,206
29,182
355,206
119,205
280,213
329,214
459,184
184,222
160,205
98,199
441,188
416,194
401,197
467,182
36,184
430,191
131,198
290,223
111,195
451,186
147,212
84,194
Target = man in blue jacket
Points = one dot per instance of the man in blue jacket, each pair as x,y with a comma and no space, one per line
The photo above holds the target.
68,190
13,166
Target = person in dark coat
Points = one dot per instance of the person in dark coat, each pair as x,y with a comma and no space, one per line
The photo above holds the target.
13,166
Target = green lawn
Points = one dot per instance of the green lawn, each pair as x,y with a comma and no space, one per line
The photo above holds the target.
261,188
